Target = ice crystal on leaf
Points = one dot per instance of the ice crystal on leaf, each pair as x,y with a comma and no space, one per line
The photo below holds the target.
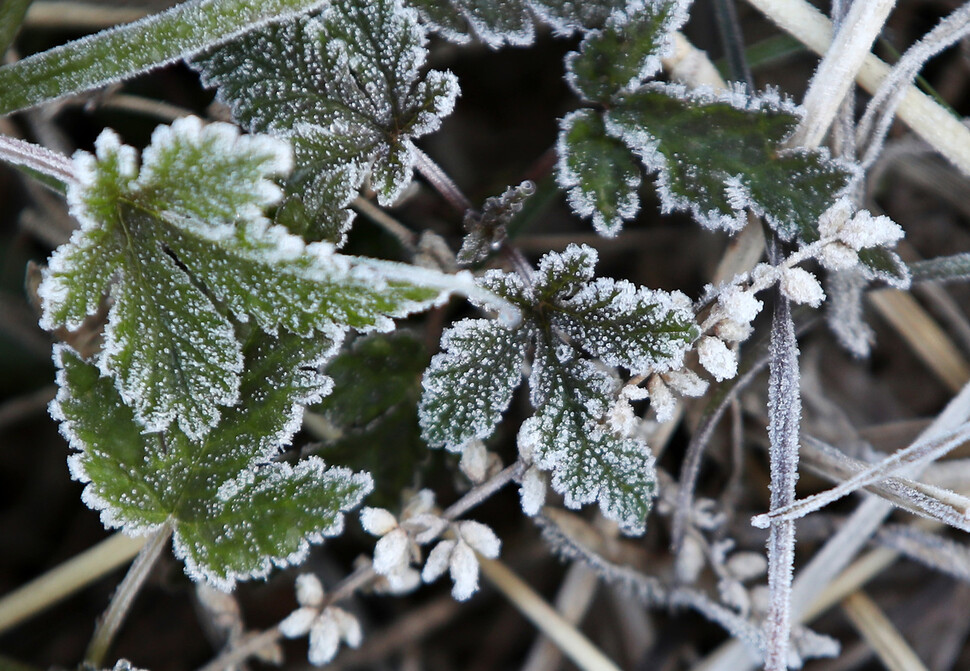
346,88
186,227
576,324
235,513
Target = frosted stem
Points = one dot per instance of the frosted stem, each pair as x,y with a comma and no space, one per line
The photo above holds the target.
35,157
441,182
124,596
838,68
784,410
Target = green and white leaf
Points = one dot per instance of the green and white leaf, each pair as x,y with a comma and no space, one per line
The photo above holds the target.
346,87
570,436
198,197
469,385
626,51
129,50
568,16
234,513
718,155
599,173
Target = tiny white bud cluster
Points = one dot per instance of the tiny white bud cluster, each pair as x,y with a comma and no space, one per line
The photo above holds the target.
459,559
327,626
846,233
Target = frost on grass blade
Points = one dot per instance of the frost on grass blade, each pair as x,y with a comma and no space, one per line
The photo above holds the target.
494,22
347,88
469,385
569,437
627,51
598,173
184,228
717,156
234,512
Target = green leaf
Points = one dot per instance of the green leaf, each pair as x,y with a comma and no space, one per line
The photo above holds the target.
883,264
598,172
717,156
132,49
187,228
346,87
571,436
568,16
469,385
12,13
626,51
234,513
494,22
955,268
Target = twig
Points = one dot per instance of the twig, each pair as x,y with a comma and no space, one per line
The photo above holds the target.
405,236
68,578
124,596
882,636
574,644
441,182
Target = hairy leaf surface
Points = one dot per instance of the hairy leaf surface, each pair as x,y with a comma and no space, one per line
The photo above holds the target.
185,227
233,511
346,87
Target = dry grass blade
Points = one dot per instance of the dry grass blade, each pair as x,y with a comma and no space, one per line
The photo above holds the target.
885,640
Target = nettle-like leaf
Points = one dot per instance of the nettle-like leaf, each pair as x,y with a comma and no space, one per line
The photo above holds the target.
346,88
234,512
181,237
500,22
576,325
719,155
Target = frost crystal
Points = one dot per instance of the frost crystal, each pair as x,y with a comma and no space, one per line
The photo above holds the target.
346,87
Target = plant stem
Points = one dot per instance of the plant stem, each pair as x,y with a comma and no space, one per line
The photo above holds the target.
124,596
35,157
441,182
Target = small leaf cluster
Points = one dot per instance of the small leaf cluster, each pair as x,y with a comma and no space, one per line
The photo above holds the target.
576,327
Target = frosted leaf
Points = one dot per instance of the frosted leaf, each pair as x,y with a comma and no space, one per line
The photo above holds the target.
309,590
715,356
747,565
494,22
844,315
474,461
198,196
561,274
598,173
298,622
377,521
480,537
324,640
392,552
402,582
863,230
348,626
347,86
801,286
662,401
567,436
437,562
235,513
834,218
717,156
837,256
626,51
686,382
469,384
568,16
533,491
624,325
463,567
738,304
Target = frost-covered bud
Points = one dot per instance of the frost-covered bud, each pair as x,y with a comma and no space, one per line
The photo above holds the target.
333,625
377,521
459,559
685,382
801,286
747,565
739,305
834,218
838,256
474,461
865,230
715,356
729,330
421,503
437,562
400,582
690,561
734,594
622,418
533,491
298,622
309,590
481,538
392,552
463,567
661,400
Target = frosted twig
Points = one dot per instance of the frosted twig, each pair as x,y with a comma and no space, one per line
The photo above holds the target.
879,113
838,69
124,596
922,451
932,550
441,182
929,120
35,157
784,412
